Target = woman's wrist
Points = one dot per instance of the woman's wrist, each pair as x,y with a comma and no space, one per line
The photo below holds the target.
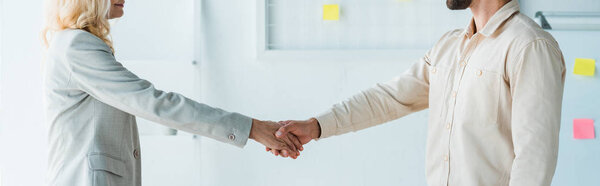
255,126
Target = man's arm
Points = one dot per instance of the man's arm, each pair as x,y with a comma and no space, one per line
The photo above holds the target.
405,94
387,101
537,81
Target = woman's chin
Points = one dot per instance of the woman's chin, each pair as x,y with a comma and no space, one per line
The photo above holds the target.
115,15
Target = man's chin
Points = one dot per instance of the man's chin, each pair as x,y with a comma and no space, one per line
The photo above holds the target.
458,4
455,8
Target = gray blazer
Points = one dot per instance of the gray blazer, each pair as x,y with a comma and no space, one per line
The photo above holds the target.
91,100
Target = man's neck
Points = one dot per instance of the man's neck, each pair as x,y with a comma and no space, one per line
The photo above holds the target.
483,10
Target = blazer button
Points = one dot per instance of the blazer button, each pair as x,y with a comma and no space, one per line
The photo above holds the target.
231,137
136,154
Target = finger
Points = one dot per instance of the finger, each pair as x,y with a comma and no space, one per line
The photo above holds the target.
283,147
285,129
278,152
268,149
290,154
273,152
290,145
285,153
296,142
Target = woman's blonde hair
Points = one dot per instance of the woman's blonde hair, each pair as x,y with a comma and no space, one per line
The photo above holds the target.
88,15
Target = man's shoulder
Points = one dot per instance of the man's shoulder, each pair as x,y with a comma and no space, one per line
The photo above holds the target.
522,31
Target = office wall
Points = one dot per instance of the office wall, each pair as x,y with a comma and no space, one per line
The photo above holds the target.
579,160
529,7
23,138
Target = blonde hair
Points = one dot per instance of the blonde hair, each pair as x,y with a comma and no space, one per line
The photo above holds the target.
88,15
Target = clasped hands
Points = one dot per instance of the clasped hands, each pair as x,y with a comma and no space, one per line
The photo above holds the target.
285,138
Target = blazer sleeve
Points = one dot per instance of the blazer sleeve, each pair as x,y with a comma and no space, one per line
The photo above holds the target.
95,70
387,101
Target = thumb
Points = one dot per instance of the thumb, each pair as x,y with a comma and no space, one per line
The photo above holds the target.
285,129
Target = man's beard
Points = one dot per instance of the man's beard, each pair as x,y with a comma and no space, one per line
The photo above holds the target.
458,4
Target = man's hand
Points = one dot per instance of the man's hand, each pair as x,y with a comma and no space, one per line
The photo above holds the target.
305,131
264,133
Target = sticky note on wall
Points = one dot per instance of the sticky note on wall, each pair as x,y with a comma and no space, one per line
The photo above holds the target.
331,12
584,67
583,129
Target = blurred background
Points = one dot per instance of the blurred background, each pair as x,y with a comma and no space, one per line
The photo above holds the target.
278,60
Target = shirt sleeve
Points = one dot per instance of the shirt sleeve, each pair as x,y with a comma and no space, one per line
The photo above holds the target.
537,82
95,71
387,101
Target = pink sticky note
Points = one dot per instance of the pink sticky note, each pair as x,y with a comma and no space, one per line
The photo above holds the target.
583,128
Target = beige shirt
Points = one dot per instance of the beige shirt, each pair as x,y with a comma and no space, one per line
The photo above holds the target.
494,98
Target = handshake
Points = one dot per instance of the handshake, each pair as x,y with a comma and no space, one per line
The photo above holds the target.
286,137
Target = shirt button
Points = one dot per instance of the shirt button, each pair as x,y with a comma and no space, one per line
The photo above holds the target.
434,70
445,157
448,126
136,154
479,73
463,63
454,94
231,137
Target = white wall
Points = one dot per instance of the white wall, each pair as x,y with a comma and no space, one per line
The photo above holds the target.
529,7
23,138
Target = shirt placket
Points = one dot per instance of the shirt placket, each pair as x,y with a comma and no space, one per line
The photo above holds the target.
459,66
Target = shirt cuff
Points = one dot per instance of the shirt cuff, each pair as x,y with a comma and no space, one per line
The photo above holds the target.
328,124
240,132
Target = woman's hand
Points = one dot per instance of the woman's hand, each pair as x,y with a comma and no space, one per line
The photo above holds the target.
264,133
305,131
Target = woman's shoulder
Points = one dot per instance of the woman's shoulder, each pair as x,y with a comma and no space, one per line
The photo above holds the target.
71,34
76,38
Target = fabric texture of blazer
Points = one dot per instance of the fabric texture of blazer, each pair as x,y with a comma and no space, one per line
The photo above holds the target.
91,102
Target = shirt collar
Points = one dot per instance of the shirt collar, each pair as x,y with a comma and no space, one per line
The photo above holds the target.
495,21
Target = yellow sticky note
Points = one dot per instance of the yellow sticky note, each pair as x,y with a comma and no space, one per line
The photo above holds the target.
584,67
331,12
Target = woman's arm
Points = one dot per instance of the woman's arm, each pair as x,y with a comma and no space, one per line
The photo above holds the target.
94,70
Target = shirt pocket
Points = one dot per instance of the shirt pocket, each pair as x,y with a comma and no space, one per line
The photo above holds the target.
439,78
478,98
